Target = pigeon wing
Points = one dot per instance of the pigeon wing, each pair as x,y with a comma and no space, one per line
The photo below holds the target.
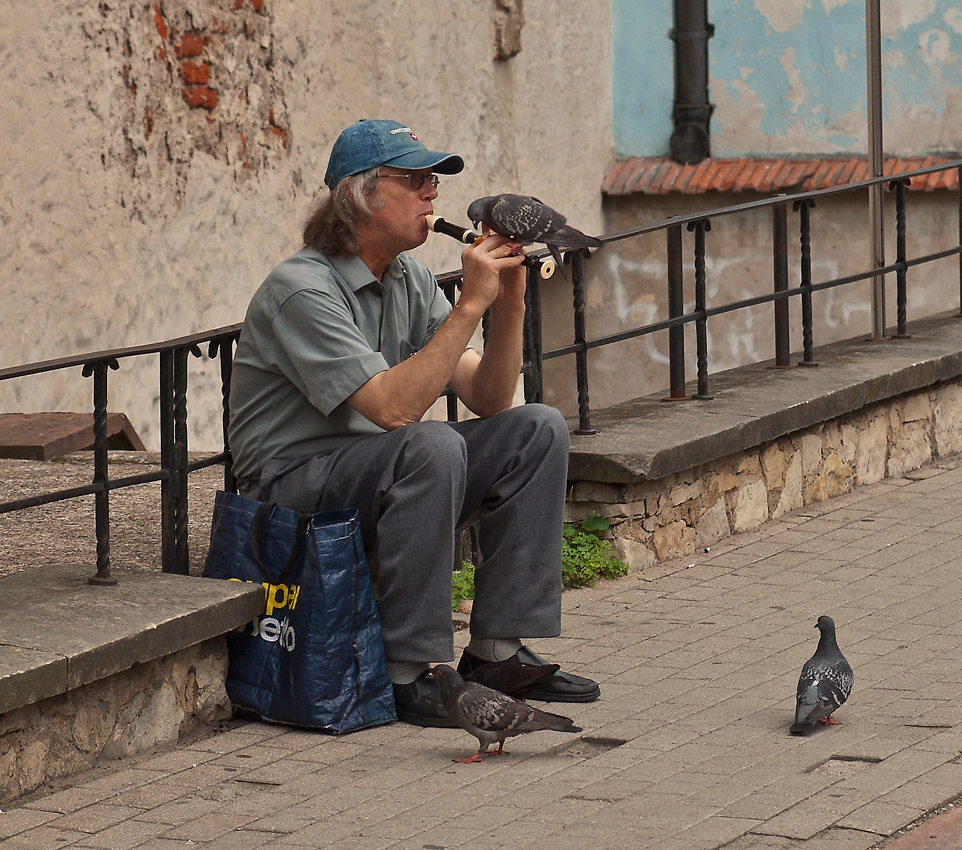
569,237
823,686
523,217
490,716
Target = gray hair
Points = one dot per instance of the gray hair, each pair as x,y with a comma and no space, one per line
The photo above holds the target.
333,224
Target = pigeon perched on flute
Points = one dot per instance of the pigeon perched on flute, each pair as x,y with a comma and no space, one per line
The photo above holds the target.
528,220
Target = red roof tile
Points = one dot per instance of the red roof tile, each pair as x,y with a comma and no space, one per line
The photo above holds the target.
615,179
661,176
848,169
945,180
727,176
697,174
771,175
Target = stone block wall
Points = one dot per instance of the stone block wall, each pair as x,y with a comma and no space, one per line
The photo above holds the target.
681,513
170,699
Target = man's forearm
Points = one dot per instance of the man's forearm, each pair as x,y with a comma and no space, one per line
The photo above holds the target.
402,394
495,380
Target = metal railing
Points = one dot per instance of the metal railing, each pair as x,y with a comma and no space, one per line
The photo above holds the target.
175,465
699,224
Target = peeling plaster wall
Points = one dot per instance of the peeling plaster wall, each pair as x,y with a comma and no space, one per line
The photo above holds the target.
790,77
160,157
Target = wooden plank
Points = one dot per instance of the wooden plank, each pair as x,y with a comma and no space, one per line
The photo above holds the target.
43,436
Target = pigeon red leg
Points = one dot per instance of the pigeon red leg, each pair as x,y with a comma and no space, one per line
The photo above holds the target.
474,758
827,721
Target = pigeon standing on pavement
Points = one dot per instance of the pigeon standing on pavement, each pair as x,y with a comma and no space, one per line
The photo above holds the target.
490,715
513,678
825,682
527,220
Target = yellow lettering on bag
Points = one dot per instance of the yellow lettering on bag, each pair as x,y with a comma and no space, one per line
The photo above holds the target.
276,595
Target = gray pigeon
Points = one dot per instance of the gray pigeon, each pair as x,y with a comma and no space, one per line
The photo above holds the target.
490,715
825,682
527,220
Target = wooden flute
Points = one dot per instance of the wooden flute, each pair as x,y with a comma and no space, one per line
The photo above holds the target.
470,237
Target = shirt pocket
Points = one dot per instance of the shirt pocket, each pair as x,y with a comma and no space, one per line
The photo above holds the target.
407,349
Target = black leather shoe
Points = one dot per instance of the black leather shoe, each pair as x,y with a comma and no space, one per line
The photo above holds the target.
420,703
562,687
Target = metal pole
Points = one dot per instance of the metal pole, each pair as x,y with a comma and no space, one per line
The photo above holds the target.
101,476
676,308
700,228
780,267
873,52
581,355
901,252
533,342
804,208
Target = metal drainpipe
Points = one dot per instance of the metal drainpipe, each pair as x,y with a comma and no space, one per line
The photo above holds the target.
873,42
690,139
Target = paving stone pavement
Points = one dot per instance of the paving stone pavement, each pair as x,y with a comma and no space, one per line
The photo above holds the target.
687,749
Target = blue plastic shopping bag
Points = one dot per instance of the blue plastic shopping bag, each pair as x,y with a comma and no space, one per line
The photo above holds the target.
314,658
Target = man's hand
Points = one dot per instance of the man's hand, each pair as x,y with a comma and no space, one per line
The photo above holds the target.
493,273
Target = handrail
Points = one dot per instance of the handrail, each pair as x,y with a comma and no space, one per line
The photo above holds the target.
190,341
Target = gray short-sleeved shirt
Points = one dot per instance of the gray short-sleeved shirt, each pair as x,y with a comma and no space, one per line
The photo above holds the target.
316,330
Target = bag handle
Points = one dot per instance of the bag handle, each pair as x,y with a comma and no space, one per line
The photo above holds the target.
259,525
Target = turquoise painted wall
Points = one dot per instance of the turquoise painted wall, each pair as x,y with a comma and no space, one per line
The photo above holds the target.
789,76
642,77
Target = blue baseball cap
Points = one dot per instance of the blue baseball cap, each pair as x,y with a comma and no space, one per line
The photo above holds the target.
367,144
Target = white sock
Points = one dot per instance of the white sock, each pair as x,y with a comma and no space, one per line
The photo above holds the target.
493,649
405,672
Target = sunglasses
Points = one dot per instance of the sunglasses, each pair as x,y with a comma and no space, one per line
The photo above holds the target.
417,179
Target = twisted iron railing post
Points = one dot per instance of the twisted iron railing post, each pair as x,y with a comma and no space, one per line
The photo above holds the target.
450,287
173,460
581,353
533,343
101,477
780,275
901,260
700,228
223,350
676,308
803,207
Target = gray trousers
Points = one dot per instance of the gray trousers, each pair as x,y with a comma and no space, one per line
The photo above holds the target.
414,487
